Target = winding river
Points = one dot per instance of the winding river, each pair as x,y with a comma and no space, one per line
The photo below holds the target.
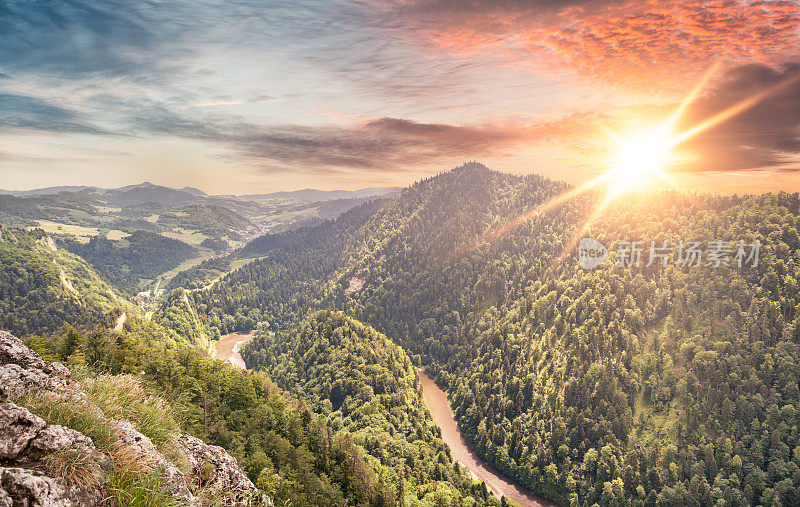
460,451
227,349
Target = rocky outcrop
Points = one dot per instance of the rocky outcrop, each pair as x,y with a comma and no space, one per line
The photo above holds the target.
26,441
20,486
17,428
22,369
174,479
35,457
215,470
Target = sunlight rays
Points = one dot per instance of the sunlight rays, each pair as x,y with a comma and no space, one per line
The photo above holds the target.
641,158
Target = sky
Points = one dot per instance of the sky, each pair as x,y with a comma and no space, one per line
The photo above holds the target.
253,96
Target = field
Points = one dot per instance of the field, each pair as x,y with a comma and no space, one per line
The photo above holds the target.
81,233
191,237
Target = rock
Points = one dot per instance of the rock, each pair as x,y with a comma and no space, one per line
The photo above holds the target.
19,486
214,469
17,428
13,351
22,369
15,380
174,479
57,438
26,441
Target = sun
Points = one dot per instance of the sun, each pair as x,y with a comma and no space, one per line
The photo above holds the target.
640,160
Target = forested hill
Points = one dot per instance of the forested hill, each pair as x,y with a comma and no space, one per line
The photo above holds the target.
673,385
363,383
43,287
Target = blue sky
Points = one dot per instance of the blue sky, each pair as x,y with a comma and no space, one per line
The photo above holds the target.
250,96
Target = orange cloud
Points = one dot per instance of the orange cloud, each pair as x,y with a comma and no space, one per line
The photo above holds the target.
638,43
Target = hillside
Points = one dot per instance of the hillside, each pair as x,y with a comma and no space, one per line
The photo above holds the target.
142,255
669,384
364,384
43,287
101,440
178,400
138,234
286,280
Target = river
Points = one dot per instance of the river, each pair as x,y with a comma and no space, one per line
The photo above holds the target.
460,451
227,349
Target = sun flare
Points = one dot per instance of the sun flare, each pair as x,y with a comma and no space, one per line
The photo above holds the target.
640,160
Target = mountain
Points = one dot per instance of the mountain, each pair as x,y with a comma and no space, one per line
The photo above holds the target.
672,385
652,383
137,234
44,287
140,255
310,194
147,193
46,191
194,191
283,283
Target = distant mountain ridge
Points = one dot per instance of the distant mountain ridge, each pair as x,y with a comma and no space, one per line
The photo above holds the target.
46,190
311,194
133,194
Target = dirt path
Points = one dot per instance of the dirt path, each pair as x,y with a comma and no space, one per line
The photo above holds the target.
120,321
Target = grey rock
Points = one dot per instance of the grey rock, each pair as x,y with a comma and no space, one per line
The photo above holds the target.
5,499
17,428
57,438
25,439
22,369
14,351
222,473
19,486
16,380
174,479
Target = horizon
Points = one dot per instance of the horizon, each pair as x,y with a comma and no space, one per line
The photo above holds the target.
578,189
144,183
347,94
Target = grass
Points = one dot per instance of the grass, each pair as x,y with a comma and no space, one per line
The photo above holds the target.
81,233
191,237
80,415
77,465
187,264
132,482
124,397
116,235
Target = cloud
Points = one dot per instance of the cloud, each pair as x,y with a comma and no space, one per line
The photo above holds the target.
24,112
389,144
766,135
634,43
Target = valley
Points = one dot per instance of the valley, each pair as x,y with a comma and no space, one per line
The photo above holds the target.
400,253
542,382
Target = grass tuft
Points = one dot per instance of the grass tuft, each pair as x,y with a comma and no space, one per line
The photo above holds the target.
132,482
76,465
124,397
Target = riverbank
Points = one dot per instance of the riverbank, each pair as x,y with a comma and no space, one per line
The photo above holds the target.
461,452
